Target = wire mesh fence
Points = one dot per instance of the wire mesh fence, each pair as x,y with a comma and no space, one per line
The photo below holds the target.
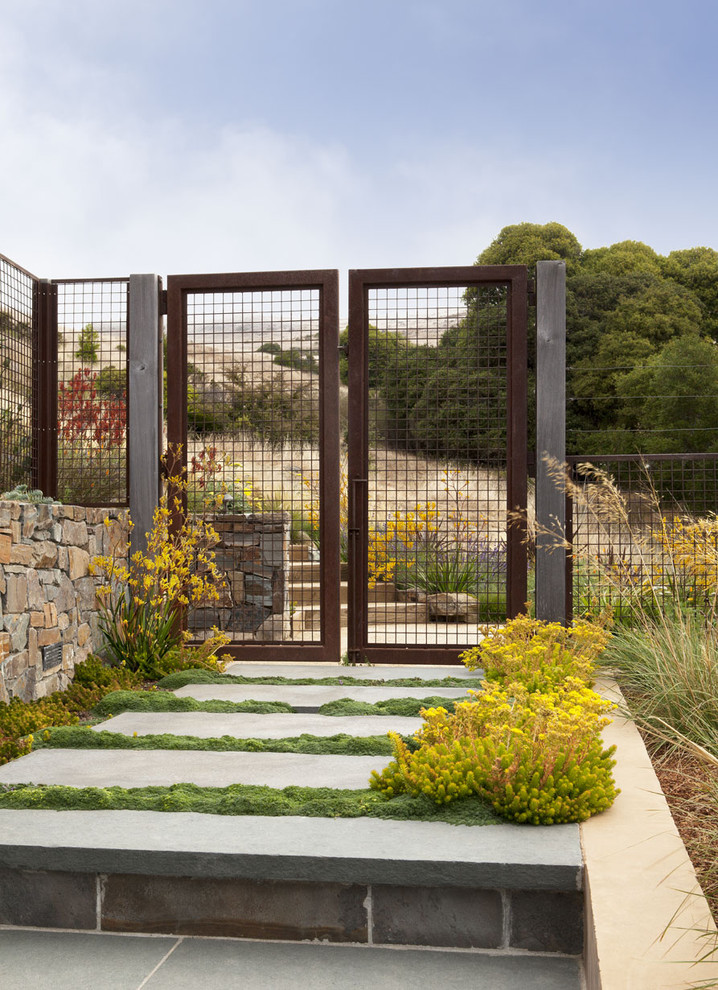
92,442
18,376
643,532
253,456
437,418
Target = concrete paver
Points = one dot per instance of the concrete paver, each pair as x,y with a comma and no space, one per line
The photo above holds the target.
146,768
244,725
377,672
309,697
102,961
364,850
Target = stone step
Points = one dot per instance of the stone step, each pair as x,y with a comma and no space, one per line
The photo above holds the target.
303,570
310,697
499,893
112,962
162,768
244,725
301,552
504,888
379,613
308,593
374,672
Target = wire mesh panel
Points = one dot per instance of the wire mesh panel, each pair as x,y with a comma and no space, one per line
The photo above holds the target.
18,376
252,399
92,391
436,419
644,533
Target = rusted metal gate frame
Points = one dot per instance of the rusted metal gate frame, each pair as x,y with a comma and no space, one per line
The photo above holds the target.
48,297
327,282
360,282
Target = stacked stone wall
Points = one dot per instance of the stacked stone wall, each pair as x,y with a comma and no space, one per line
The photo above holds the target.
48,602
253,554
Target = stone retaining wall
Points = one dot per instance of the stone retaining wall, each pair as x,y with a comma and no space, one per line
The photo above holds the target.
47,595
253,553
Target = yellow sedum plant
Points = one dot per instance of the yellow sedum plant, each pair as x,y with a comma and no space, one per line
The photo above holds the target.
538,653
528,743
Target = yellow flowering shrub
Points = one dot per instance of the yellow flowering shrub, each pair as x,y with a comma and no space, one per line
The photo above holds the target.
141,601
386,549
538,653
529,742
536,757
692,548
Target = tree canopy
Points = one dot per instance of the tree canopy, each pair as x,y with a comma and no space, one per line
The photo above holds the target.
641,353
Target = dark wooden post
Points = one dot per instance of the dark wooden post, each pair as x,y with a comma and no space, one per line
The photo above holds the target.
145,403
551,603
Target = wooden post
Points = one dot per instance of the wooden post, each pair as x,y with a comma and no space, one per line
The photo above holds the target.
145,404
551,599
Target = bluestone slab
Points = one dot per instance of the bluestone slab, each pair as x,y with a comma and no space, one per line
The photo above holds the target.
158,767
89,961
359,850
243,725
379,672
308,697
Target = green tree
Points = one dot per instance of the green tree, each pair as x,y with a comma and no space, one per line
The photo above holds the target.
672,402
697,269
624,258
527,243
87,346
382,347
623,339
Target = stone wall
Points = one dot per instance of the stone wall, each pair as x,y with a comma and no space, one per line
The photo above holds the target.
48,607
253,553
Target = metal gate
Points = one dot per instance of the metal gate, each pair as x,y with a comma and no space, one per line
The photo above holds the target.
253,417
437,473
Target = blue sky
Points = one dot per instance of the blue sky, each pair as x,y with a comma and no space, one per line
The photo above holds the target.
207,135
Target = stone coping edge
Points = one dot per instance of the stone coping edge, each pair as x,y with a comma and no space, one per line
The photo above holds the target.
297,849
647,921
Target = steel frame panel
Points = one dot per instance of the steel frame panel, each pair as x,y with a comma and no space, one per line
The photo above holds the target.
514,277
327,647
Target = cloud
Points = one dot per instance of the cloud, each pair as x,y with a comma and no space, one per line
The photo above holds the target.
104,198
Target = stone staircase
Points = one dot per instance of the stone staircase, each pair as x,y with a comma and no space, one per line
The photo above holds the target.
384,605
332,901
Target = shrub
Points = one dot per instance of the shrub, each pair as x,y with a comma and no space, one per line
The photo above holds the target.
538,653
15,423
529,744
112,381
273,406
141,602
300,360
87,346
536,757
92,431
19,719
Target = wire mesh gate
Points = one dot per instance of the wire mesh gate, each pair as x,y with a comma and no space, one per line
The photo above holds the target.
252,397
437,458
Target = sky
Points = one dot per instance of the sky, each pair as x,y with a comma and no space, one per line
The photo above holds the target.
177,136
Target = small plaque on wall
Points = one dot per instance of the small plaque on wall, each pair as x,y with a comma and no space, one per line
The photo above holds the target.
51,656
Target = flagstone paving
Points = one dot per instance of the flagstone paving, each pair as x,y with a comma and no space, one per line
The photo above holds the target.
309,697
491,908
244,725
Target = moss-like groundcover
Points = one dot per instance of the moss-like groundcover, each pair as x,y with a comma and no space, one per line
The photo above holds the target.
78,737
165,701
243,799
